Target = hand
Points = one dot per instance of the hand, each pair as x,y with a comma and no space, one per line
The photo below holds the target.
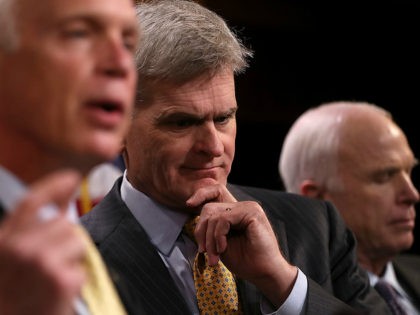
241,235
41,271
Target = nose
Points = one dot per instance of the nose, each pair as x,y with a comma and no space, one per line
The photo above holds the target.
410,194
209,140
117,60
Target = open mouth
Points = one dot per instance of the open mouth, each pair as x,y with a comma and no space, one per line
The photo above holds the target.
110,107
107,105
105,113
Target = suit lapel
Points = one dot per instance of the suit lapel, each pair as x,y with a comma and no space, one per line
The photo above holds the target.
144,281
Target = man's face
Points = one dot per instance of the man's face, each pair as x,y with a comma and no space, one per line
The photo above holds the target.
378,198
183,138
68,88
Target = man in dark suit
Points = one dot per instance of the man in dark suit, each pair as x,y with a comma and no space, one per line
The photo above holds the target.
67,85
289,254
366,172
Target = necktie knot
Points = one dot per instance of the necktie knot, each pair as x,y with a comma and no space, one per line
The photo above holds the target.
189,227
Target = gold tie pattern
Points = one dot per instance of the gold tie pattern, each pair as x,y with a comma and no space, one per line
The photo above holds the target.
215,285
98,292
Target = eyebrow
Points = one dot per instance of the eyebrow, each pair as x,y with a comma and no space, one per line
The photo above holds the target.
186,114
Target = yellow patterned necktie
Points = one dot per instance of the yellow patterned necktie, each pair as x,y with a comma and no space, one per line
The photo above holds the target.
215,285
98,292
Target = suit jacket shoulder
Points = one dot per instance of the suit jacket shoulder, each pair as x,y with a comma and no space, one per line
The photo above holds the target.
314,237
407,269
143,281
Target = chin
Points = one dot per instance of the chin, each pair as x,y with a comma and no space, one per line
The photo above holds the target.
106,150
93,158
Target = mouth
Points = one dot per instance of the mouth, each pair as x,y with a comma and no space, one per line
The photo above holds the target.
105,113
109,106
212,172
404,223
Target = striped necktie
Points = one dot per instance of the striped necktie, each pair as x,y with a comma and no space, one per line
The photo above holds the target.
390,296
215,285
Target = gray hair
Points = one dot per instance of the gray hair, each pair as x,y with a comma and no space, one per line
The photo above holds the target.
310,147
181,40
8,34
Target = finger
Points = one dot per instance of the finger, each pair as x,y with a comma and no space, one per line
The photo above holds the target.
65,241
211,241
216,238
210,193
200,233
212,230
57,188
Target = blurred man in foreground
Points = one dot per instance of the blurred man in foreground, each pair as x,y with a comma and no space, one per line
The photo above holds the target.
67,80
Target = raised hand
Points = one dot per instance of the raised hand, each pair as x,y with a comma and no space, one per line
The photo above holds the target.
241,235
41,271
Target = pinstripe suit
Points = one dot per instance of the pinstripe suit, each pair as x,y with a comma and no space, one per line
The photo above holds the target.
310,233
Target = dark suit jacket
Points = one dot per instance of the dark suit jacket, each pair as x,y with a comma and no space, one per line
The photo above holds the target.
310,233
407,270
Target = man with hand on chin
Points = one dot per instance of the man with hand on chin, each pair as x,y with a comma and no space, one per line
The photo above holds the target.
287,254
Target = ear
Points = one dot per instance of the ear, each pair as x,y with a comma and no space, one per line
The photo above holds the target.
124,155
312,189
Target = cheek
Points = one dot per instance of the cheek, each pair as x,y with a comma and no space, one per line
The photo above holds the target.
230,147
144,148
364,208
57,91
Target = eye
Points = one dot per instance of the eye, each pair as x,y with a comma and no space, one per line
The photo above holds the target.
184,123
130,45
130,40
75,31
224,119
384,176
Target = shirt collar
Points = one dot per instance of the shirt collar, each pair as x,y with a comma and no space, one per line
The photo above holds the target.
163,226
388,276
13,190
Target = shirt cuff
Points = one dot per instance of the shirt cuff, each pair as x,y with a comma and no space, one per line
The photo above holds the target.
294,302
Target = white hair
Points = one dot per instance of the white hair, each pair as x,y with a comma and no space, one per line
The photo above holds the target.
310,147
